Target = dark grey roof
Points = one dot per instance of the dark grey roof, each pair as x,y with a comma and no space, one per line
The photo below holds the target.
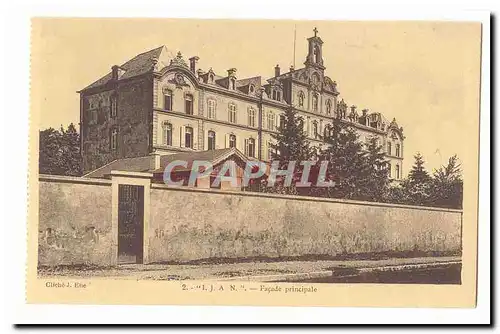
138,65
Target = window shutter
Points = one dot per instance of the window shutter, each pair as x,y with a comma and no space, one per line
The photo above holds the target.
182,139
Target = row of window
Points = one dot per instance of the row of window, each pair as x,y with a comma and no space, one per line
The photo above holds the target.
211,139
389,149
315,102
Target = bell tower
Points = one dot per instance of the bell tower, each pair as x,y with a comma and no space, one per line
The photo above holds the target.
315,53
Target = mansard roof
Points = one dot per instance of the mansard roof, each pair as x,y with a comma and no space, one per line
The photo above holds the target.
140,64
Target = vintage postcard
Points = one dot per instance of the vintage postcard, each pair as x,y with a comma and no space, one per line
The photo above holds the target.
254,162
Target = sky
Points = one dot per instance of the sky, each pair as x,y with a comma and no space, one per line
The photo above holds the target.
424,74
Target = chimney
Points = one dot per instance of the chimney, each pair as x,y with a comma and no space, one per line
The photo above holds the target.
292,68
365,112
231,72
116,72
192,63
155,160
277,71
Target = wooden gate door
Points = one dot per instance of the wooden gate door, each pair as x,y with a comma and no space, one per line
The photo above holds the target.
130,223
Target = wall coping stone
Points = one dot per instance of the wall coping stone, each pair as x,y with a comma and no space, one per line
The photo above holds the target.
300,198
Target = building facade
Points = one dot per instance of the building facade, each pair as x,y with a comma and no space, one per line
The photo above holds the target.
158,104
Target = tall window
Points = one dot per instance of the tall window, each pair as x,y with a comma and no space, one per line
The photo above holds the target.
232,141
113,106
328,107
211,109
398,149
389,148
114,139
232,113
189,104
271,121
315,102
211,140
389,167
167,134
251,117
282,121
315,130
167,100
316,54
397,172
93,116
250,147
270,151
188,137
301,99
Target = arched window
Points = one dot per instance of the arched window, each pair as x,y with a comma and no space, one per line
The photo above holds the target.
315,102
167,100
271,121
301,99
211,112
328,107
188,137
398,176
232,113
315,130
251,117
389,148
316,54
211,140
250,147
398,150
114,139
211,78
167,133
189,104
252,89
232,141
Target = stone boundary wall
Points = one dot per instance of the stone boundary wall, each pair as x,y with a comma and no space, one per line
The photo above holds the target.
190,224
78,224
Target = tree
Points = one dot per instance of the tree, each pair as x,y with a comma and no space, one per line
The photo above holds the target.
376,174
291,143
447,185
60,151
347,165
418,185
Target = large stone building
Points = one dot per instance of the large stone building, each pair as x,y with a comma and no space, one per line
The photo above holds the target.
155,104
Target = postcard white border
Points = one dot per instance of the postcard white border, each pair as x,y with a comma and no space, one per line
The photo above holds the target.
14,151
